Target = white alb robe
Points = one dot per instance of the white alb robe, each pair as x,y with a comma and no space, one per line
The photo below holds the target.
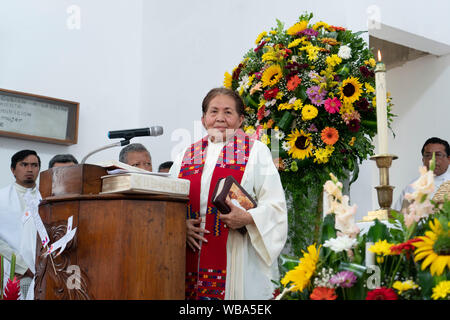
17,236
251,259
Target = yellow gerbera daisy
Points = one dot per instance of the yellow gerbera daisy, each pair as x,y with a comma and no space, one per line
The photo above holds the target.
320,24
296,28
300,143
434,248
368,87
322,155
441,290
271,75
265,139
249,130
295,43
227,80
302,273
350,90
381,249
333,60
404,286
285,106
309,112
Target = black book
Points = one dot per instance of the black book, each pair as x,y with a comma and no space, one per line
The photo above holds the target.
229,187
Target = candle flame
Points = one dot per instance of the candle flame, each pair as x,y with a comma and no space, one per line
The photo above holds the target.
379,55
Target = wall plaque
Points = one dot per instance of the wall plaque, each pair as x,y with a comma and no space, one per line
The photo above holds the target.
33,117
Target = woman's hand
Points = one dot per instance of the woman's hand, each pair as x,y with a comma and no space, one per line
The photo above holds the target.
237,218
194,233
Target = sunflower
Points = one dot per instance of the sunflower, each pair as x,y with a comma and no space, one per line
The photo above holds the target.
330,135
227,80
300,144
350,90
302,273
296,28
271,75
260,37
435,248
309,112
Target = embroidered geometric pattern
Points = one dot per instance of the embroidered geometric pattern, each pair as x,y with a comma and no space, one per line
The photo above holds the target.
211,289
186,171
190,214
191,284
217,221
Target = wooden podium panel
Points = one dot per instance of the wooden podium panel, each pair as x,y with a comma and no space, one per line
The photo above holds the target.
126,246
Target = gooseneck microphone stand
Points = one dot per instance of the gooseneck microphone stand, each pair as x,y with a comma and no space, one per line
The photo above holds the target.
115,144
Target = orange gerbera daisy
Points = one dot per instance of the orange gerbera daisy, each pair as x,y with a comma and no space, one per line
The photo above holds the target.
293,82
330,135
323,293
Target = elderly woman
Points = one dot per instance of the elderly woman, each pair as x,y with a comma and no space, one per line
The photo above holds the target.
222,263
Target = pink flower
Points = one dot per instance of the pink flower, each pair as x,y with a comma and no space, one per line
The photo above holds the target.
332,105
344,279
12,289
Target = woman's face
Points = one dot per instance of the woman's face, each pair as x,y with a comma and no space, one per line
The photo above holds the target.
221,118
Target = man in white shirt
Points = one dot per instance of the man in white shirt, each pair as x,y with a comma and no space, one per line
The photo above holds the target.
18,232
441,150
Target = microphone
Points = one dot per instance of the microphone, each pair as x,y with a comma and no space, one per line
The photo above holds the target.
131,133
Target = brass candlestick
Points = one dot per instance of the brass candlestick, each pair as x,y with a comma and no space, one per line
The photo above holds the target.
384,190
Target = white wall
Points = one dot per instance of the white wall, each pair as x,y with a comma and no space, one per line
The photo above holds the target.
98,65
138,63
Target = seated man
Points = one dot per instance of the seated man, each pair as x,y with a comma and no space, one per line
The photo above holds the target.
62,160
136,155
441,173
18,233
165,166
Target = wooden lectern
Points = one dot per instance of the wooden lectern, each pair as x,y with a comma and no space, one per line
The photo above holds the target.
127,246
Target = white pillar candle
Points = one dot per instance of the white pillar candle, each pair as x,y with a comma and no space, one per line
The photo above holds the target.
370,256
382,128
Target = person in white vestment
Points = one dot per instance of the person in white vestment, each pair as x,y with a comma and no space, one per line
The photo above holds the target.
18,233
441,150
251,259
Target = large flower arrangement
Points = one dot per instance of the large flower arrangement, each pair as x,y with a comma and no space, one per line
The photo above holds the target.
411,257
309,95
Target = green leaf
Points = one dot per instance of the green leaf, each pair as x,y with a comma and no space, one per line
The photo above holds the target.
250,102
357,269
426,283
285,120
378,231
356,34
328,230
287,263
369,123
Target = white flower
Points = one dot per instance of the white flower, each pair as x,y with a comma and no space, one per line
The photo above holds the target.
244,84
279,134
286,146
345,52
345,217
333,189
341,243
271,103
423,186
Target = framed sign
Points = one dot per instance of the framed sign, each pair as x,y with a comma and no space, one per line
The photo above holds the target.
33,117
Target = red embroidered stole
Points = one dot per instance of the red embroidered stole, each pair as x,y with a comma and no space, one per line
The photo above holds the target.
206,269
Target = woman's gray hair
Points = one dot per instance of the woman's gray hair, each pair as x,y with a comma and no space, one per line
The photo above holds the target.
134,147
